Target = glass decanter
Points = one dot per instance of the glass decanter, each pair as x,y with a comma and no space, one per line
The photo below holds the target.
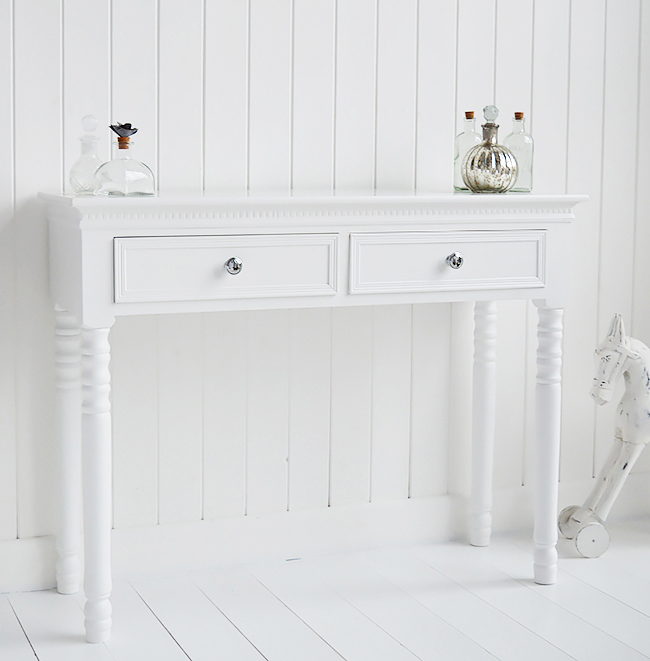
124,175
489,167
521,145
462,144
82,173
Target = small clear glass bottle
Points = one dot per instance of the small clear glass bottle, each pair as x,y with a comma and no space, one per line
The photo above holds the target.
462,144
521,145
124,176
82,173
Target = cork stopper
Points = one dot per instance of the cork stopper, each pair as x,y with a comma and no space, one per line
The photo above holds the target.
469,114
123,142
519,115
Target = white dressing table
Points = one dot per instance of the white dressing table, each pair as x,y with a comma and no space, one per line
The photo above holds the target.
174,254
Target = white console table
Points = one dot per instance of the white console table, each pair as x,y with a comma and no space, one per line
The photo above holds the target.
173,254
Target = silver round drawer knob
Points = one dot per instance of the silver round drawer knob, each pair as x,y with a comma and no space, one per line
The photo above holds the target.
455,260
234,265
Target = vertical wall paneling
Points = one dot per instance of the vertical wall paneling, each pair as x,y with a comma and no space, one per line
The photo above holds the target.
397,38
134,341
512,92
226,95
584,163
86,50
267,453
180,428
354,148
351,405
391,402
641,306
38,166
270,95
475,58
312,143
180,95
7,301
436,89
134,401
430,400
134,67
618,183
224,414
310,338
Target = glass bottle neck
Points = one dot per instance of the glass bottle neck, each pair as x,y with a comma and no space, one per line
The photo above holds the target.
469,125
518,125
122,150
88,146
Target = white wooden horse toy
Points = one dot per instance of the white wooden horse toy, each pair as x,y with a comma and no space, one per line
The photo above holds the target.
617,355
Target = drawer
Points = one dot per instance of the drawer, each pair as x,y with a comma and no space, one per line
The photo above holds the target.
392,262
192,268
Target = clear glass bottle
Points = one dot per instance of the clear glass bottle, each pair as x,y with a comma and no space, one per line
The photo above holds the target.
462,144
124,175
521,145
82,173
489,167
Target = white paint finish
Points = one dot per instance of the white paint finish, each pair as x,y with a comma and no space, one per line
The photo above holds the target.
510,386
266,620
350,633
474,59
14,640
134,75
435,125
354,147
199,628
86,33
461,608
550,94
391,402
224,414
54,628
269,86
138,631
310,341
8,523
313,64
351,413
180,413
37,165
397,41
177,268
226,95
616,270
417,628
584,164
483,412
180,95
430,400
134,374
267,413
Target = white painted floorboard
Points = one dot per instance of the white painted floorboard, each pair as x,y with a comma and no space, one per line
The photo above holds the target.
448,602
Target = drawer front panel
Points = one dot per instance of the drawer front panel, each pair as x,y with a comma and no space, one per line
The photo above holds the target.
394,262
192,268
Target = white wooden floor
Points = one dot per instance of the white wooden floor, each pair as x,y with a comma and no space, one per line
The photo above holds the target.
443,602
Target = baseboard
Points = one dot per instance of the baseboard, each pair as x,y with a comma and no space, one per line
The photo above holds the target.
28,564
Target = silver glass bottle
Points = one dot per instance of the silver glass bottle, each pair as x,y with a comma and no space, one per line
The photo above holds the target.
489,167
521,145
464,141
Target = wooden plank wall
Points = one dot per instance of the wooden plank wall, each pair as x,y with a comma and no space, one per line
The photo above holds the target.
253,413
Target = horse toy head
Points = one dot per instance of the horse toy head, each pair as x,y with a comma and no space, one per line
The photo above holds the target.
611,358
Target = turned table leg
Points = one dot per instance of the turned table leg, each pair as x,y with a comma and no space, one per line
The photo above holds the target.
68,434
96,435
547,451
483,411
